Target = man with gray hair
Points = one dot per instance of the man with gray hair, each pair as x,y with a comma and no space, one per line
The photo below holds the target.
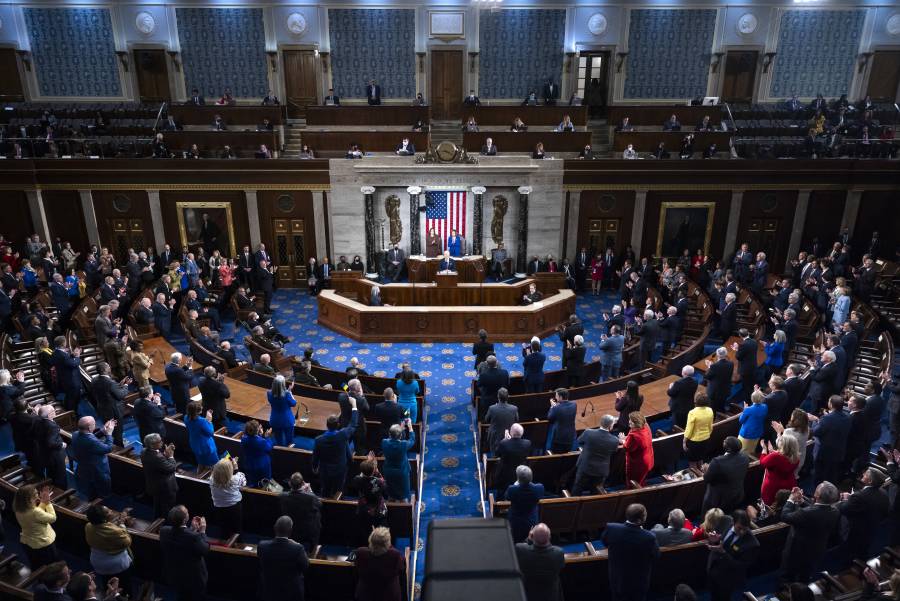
180,378
159,468
675,533
355,390
108,394
811,527
823,377
51,447
512,451
727,316
718,379
616,319
149,413
541,563
598,445
648,329
523,497
681,396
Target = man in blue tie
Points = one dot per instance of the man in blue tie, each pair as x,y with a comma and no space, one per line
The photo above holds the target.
447,264
323,274
90,448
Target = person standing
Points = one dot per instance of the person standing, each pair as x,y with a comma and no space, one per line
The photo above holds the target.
501,416
523,497
681,396
256,450
698,430
401,439
159,467
753,422
730,554
90,448
225,485
541,564
35,514
379,568
562,422
718,379
302,505
611,353
598,445
724,478
408,388
638,445
811,528
184,549
512,452
632,551
283,563
281,418
533,366
627,402
331,452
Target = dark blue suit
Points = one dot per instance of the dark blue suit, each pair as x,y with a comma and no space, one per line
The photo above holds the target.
447,265
92,474
562,422
831,433
632,551
68,376
523,508
180,379
162,319
534,371
282,564
255,458
331,452
60,296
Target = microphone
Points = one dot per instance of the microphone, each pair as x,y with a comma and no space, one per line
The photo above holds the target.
306,412
584,411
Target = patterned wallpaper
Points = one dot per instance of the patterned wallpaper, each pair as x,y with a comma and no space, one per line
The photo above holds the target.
73,51
519,50
223,47
816,52
668,53
375,44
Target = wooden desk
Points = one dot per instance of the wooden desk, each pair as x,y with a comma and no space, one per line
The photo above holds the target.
647,141
700,366
206,141
367,115
507,141
188,114
160,350
443,323
530,115
656,403
639,114
421,269
369,141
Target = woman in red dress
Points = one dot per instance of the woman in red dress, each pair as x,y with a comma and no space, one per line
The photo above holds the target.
638,450
596,274
780,466
696,263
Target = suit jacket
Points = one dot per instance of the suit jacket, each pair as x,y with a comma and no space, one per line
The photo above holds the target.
649,333
362,409
718,381
150,418
180,378
729,567
489,382
282,564
667,536
104,329
574,360
376,95
159,473
728,320
681,395
562,418
864,511
811,527
597,447
331,450
265,279
500,416
107,395
796,390
214,394
540,568
746,357
183,555
68,373
725,481
611,350
489,150
90,452
306,511
512,453
481,350
533,366
822,383
831,433
447,265
632,551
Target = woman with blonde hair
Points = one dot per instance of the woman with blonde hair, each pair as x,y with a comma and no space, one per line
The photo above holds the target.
379,567
780,466
841,310
35,514
698,430
225,487
753,420
714,520
638,447
798,427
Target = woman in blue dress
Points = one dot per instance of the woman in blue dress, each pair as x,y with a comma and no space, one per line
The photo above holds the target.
396,460
407,389
281,419
454,244
774,355
200,435
841,310
256,448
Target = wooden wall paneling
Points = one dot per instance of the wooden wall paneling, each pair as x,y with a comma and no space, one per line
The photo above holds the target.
823,218
773,211
722,198
598,205
65,217
123,220
288,207
17,224
877,212
168,202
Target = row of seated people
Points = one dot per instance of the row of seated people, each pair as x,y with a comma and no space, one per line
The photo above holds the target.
518,125
227,99
373,95
673,124
489,148
686,151
160,150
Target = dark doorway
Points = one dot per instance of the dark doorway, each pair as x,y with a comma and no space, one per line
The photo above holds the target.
299,81
10,82
884,79
739,78
593,81
152,73
446,84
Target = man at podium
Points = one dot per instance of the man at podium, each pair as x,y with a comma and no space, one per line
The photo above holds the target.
447,264
454,244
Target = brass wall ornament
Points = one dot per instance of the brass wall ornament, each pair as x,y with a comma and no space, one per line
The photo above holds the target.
392,209
500,207
446,152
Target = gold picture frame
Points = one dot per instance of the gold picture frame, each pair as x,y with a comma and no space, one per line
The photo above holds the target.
200,208
685,233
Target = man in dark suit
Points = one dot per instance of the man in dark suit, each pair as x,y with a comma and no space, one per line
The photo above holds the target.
795,387
822,377
632,551
214,392
361,405
265,280
648,329
582,264
489,148
730,554
282,564
864,511
745,355
532,296
331,451
394,262
490,381
724,478
681,396
180,378
727,316
388,412
500,416
857,455
598,445
406,148
196,99
831,432
540,563
51,448
162,314
184,548
669,328
512,452
811,527
373,93
447,263
471,99
149,413
68,371
551,93
90,446
107,394
875,406
159,473
302,505
332,99
718,379
562,421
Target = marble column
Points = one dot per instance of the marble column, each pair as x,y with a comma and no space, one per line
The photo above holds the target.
478,219
734,218
252,218
415,237
522,248
570,231
90,217
38,215
159,234
637,223
369,225
797,227
851,210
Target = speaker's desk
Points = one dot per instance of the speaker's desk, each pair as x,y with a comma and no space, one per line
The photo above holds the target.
423,269
441,312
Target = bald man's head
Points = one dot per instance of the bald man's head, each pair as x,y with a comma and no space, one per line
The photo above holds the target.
540,535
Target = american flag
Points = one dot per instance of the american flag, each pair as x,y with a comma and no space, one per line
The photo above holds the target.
445,211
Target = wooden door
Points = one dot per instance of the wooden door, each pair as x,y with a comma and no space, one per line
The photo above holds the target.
290,252
884,78
127,233
763,234
602,234
299,81
592,85
152,71
739,78
10,82
446,84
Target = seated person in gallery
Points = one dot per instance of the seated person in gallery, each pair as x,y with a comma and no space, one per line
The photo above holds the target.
419,126
672,124
489,148
533,296
538,152
332,99
566,124
419,100
354,152
306,152
196,99
226,153
227,99
406,148
375,298
270,99
629,152
586,153
373,93
342,264
470,125
531,99
193,153
263,152
625,125
357,265
710,152
704,125
661,152
498,259
518,125
395,260
447,264
265,126
471,99
434,246
455,244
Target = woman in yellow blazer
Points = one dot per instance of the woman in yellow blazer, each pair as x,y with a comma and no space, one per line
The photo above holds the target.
140,363
35,513
698,430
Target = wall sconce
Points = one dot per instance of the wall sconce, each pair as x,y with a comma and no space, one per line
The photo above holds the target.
421,57
123,58
472,57
864,60
715,60
175,62
570,58
273,59
768,60
25,57
324,57
620,60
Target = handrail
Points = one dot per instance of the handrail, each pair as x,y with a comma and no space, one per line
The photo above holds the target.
159,114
